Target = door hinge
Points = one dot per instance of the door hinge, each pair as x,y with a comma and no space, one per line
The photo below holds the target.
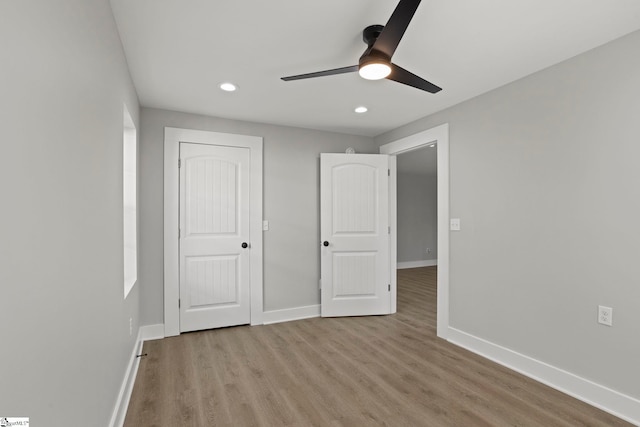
178,302
179,232
389,287
320,284
388,172
179,163
389,230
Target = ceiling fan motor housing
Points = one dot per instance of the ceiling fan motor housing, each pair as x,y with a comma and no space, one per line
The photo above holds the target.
371,56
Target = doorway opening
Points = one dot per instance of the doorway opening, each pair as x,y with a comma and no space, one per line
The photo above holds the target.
417,221
440,137
417,213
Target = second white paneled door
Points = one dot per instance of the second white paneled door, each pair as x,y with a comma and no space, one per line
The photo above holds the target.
214,240
354,228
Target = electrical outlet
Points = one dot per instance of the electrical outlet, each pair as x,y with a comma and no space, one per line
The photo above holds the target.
130,326
605,315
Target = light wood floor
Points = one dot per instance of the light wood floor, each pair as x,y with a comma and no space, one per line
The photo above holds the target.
360,371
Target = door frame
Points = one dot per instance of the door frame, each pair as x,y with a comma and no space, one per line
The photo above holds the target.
172,139
440,136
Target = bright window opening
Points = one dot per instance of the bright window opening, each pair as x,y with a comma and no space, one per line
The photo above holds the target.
129,196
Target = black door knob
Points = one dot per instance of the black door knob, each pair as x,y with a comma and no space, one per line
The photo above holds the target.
244,245
325,243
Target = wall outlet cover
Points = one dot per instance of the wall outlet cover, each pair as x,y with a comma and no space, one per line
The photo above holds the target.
605,315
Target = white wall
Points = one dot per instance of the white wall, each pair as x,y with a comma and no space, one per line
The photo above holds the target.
291,204
544,176
65,325
417,210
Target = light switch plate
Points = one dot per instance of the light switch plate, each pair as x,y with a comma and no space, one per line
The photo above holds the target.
455,224
265,225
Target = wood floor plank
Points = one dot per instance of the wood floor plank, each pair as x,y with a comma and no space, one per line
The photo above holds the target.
359,371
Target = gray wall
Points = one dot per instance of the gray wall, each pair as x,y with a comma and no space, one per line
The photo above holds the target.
544,176
65,324
291,204
417,216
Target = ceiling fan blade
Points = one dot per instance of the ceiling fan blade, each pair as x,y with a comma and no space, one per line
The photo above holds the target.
392,33
400,75
350,69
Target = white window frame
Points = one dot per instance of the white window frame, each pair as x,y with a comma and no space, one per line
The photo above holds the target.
129,201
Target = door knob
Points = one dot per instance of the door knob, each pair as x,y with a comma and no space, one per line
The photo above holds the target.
325,243
245,245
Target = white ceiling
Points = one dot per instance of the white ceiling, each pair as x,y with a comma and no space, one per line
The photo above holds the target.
180,51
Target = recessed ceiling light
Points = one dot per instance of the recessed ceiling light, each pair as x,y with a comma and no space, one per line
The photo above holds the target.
432,145
228,87
360,110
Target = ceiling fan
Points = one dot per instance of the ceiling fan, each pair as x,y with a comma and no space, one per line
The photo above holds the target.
382,41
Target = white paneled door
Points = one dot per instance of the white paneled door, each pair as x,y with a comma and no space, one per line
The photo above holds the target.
355,251
214,236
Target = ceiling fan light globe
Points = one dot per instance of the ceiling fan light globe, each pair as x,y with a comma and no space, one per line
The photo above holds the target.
374,71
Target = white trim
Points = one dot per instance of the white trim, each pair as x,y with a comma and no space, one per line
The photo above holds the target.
145,333
289,314
130,201
393,231
616,403
152,332
439,135
172,139
122,402
416,264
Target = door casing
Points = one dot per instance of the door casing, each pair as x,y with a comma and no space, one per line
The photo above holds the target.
172,139
440,136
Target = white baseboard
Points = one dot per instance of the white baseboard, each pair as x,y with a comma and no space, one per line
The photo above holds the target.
122,403
416,264
616,403
145,333
152,332
288,314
